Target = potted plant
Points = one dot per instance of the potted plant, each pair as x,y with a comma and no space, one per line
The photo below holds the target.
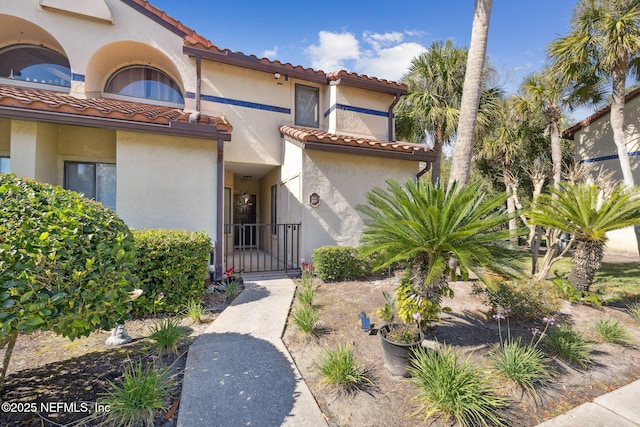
398,342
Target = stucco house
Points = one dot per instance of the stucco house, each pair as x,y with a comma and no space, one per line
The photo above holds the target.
117,100
594,146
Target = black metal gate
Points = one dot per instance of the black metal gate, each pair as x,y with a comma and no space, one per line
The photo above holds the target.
255,248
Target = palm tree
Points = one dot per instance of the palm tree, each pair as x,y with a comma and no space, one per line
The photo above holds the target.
463,151
433,100
430,227
604,40
587,214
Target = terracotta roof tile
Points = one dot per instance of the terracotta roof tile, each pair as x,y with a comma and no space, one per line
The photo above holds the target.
51,101
195,40
302,135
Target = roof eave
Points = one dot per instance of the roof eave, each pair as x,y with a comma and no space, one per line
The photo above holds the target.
173,128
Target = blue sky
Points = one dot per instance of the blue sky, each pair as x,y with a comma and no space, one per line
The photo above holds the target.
377,38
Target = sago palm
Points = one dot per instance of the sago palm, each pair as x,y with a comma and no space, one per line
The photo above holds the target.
583,212
432,228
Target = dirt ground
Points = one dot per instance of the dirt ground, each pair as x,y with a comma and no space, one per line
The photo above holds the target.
468,329
52,370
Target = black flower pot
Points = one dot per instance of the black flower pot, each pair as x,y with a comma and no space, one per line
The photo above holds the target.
397,356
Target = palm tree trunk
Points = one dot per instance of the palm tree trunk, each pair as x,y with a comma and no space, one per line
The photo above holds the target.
587,257
463,151
556,152
438,143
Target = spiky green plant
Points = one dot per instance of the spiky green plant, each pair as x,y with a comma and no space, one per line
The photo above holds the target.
306,318
306,294
432,229
581,211
232,290
524,364
453,389
167,333
194,310
569,344
139,396
634,311
612,331
338,368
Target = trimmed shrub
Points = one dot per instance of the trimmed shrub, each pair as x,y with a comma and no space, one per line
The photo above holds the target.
340,263
66,262
172,265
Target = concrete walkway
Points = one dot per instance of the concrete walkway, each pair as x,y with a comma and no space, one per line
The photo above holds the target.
620,408
239,373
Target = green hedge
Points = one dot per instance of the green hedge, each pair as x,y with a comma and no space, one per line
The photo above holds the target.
172,266
340,263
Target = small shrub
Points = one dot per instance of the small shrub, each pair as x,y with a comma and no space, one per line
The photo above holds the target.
338,368
388,311
634,311
339,263
194,310
524,364
173,263
528,300
167,333
306,294
232,290
305,317
571,294
138,396
569,345
454,390
612,331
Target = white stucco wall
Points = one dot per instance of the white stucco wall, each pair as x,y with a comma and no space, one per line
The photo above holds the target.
5,137
33,150
341,181
166,182
363,123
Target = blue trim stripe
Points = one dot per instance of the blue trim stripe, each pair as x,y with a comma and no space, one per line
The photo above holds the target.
77,77
355,110
611,157
238,103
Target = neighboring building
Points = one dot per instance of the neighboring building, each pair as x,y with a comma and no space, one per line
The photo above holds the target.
117,100
594,147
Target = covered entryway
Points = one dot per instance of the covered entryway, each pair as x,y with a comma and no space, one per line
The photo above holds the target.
263,247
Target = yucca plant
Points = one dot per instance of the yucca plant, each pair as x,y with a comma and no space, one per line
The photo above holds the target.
139,396
453,389
339,369
167,333
569,344
432,228
582,211
612,331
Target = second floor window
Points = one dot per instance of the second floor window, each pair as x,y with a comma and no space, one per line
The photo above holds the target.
35,64
144,82
307,106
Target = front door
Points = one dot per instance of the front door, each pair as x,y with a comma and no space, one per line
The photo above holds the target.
244,213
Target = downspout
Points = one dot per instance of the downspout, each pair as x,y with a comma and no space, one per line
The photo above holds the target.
423,171
219,210
391,119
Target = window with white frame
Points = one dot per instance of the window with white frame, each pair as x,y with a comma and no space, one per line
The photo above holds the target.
141,81
35,65
307,106
5,165
95,180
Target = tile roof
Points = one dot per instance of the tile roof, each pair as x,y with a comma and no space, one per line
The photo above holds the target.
194,40
58,102
570,132
382,148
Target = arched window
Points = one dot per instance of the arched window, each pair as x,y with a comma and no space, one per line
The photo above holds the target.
144,82
35,64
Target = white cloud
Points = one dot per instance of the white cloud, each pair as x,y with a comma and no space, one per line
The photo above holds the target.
387,55
270,53
333,50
